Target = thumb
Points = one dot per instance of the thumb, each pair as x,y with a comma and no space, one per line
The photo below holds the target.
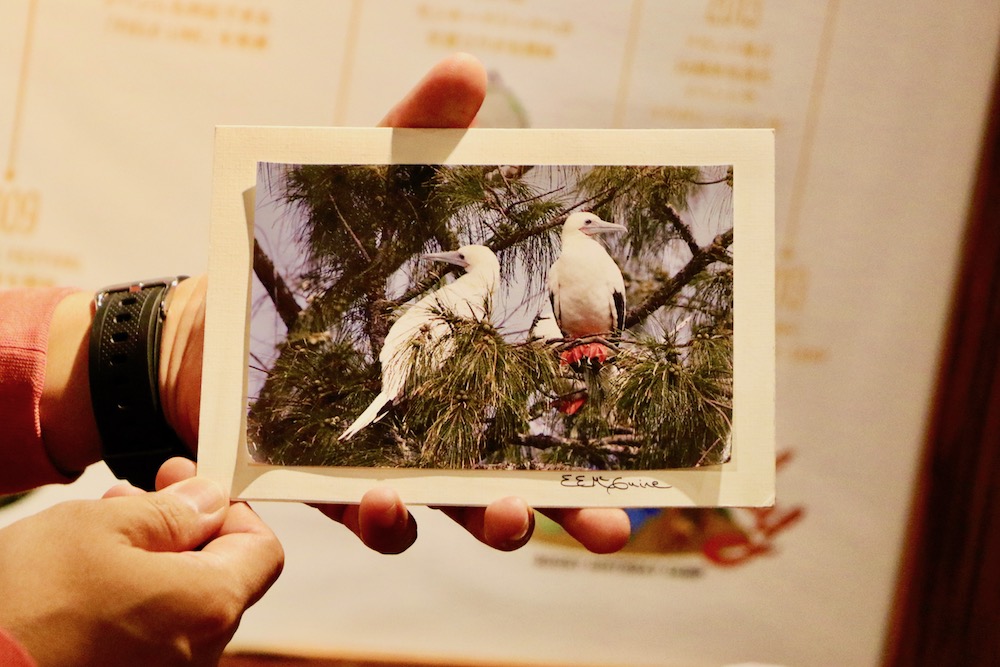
181,517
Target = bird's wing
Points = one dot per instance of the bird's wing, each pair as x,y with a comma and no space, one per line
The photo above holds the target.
465,299
396,354
375,411
617,286
618,318
553,284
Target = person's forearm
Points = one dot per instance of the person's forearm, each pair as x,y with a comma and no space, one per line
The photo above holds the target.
67,419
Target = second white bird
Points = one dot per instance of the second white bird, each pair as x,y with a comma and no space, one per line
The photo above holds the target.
585,285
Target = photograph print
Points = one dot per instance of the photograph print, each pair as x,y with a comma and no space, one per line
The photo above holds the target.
492,317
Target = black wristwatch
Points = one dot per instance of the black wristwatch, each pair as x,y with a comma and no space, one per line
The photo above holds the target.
124,379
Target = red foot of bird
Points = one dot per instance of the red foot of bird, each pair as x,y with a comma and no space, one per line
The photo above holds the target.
570,404
594,353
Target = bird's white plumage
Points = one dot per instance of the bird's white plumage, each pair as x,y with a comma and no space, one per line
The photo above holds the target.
469,296
586,286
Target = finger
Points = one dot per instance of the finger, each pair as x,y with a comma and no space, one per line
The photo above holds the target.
181,517
172,471
381,520
208,590
247,550
449,95
335,512
384,523
600,530
175,470
123,489
506,524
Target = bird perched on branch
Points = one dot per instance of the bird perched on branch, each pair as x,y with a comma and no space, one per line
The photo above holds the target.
470,296
586,287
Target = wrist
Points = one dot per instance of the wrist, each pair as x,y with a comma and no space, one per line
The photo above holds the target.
124,365
181,358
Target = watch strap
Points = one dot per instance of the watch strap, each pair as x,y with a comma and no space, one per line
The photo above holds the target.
124,380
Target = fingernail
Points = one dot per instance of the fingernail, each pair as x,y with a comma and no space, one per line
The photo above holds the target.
529,524
391,516
518,538
204,495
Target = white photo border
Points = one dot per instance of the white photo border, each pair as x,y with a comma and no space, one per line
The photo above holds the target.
746,480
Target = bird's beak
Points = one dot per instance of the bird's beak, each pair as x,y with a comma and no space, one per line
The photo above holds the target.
602,227
454,257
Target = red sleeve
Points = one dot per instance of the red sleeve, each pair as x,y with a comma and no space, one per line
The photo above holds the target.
12,654
25,318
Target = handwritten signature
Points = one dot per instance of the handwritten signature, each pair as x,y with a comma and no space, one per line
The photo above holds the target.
610,484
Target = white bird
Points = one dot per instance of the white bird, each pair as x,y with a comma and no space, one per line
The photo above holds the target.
470,296
586,286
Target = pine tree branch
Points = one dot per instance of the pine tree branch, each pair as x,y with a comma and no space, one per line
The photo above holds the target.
500,243
386,258
350,231
507,173
446,239
671,286
682,228
274,284
616,443
728,178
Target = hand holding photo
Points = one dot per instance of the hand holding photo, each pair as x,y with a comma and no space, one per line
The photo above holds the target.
559,315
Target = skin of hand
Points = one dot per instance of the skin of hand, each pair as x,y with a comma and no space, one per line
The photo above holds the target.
135,578
449,95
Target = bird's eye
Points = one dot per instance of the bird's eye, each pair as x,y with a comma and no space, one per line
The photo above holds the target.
461,256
